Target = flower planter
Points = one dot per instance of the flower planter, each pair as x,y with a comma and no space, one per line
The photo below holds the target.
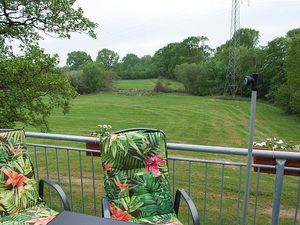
271,161
93,146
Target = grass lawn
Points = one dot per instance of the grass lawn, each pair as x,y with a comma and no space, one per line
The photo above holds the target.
185,119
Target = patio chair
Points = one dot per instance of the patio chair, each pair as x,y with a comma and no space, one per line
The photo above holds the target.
136,179
21,201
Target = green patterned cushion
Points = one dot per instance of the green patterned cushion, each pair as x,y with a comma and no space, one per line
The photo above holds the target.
38,215
18,187
136,178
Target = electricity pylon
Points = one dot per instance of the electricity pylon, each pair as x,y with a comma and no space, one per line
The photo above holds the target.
233,72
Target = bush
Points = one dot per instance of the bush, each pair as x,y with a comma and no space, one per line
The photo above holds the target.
195,78
91,79
161,87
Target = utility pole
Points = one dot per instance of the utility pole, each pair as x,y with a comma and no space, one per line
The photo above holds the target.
233,72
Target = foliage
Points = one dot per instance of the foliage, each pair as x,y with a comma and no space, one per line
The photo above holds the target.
273,73
195,78
92,78
127,66
190,50
31,87
107,58
247,37
288,94
26,20
161,87
31,84
77,58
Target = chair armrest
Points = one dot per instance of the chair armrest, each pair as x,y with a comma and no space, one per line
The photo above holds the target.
190,203
105,208
57,188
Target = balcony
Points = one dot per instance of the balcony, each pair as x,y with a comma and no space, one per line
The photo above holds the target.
213,176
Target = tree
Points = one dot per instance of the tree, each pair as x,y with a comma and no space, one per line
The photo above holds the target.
190,50
128,65
25,20
248,37
274,67
31,87
108,58
31,84
77,58
94,78
195,78
292,33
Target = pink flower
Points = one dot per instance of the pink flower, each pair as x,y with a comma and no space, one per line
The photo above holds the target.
153,163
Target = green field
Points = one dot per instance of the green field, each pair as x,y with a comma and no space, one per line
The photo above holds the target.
185,119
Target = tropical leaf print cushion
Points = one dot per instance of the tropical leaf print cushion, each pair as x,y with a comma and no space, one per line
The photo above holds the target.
37,215
19,199
137,178
18,188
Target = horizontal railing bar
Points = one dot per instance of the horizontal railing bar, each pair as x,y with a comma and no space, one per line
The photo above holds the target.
234,151
62,137
62,147
182,147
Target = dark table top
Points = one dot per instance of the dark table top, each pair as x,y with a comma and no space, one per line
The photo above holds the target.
72,218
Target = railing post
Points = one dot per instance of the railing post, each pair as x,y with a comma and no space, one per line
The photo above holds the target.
278,188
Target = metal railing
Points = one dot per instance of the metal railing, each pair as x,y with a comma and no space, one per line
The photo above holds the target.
215,185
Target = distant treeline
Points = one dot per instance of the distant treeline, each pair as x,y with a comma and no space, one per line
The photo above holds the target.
200,68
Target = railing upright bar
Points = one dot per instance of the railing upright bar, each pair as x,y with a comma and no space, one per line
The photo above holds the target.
70,180
239,197
173,180
36,164
94,189
278,188
205,193
221,195
174,177
189,188
256,195
297,203
47,173
81,182
57,166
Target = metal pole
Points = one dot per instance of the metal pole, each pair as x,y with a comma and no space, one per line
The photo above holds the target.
250,81
278,188
249,161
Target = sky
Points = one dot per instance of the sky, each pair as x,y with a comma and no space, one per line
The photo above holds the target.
144,26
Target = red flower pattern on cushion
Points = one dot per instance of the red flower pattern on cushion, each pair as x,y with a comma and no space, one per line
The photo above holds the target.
107,166
15,179
153,163
119,214
120,185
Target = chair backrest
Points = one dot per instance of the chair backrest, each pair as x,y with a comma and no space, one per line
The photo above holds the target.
136,176
18,187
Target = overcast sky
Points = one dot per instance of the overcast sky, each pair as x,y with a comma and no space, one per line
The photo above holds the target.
144,26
